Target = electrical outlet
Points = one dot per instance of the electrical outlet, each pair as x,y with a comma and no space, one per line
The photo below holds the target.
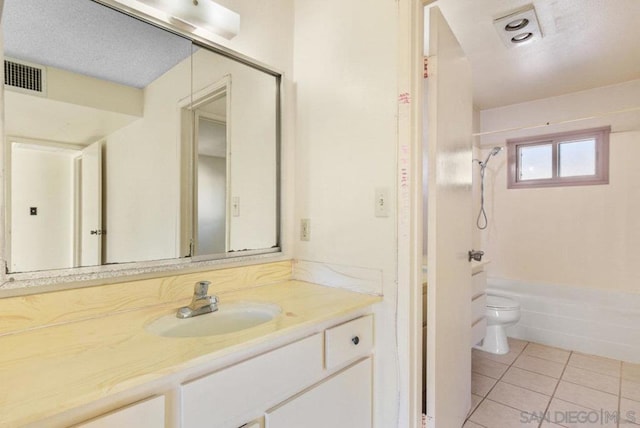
305,229
382,202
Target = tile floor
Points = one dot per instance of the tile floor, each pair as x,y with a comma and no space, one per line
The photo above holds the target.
539,386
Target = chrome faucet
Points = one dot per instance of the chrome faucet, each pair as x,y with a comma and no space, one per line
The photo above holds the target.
201,303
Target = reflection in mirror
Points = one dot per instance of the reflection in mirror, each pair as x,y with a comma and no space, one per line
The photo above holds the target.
211,143
234,108
48,182
125,142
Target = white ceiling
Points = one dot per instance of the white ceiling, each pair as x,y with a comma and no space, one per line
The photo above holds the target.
585,44
50,120
87,38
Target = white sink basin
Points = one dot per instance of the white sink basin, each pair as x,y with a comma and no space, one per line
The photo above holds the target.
229,318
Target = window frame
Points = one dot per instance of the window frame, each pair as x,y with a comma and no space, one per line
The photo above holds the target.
601,137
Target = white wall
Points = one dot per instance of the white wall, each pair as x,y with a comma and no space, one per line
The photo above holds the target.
346,74
41,178
583,236
141,175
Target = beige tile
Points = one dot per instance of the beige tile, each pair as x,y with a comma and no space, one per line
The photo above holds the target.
592,363
481,385
537,365
630,390
519,398
587,397
475,400
508,358
547,353
533,381
488,368
496,415
470,424
574,416
546,424
592,379
631,372
517,343
630,411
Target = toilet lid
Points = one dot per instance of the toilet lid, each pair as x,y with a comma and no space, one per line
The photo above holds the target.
498,302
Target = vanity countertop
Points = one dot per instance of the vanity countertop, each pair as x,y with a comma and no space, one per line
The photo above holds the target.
48,370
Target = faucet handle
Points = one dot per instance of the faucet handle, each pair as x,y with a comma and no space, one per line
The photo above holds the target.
201,288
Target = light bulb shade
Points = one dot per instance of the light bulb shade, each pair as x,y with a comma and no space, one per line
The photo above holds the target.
205,14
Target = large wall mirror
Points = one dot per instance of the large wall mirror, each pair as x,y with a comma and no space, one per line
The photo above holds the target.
125,142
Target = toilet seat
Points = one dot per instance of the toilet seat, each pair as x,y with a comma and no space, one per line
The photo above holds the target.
499,302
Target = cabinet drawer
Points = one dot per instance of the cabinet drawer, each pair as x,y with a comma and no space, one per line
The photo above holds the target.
231,395
348,341
478,308
478,284
144,414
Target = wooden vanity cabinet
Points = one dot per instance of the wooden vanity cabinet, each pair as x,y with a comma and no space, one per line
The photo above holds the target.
322,380
311,370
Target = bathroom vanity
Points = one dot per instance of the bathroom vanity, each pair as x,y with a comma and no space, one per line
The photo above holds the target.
92,363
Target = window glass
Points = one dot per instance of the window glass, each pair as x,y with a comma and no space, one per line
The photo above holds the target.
536,162
577,158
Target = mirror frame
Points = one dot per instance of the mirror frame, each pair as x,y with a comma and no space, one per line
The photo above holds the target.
12,284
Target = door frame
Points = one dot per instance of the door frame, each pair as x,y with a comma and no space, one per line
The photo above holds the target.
187,150
409,223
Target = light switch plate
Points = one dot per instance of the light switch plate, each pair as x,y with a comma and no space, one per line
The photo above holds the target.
305,229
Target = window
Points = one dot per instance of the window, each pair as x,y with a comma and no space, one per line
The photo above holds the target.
568,159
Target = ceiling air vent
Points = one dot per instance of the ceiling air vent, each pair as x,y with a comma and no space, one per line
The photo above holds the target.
24,77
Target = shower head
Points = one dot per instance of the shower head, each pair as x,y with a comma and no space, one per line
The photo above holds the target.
495,151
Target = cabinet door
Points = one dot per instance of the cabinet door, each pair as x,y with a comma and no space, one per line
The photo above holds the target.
233,395
342,401
145,414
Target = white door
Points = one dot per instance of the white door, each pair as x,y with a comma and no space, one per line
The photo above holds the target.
449,219
91,206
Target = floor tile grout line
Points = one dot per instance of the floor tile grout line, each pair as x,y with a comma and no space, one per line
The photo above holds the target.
536,373
594,371
589,387
555,390
620,398
544,359
591,371
494,385
505,405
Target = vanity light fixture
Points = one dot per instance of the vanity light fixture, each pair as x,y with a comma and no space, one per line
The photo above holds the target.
518,27
192,15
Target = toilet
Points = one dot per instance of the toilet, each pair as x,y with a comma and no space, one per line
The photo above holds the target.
501,312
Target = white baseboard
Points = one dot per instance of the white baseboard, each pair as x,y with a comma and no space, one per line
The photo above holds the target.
361,280
591,321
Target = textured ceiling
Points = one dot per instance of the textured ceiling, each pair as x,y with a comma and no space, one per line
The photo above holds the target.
586,44
88,38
